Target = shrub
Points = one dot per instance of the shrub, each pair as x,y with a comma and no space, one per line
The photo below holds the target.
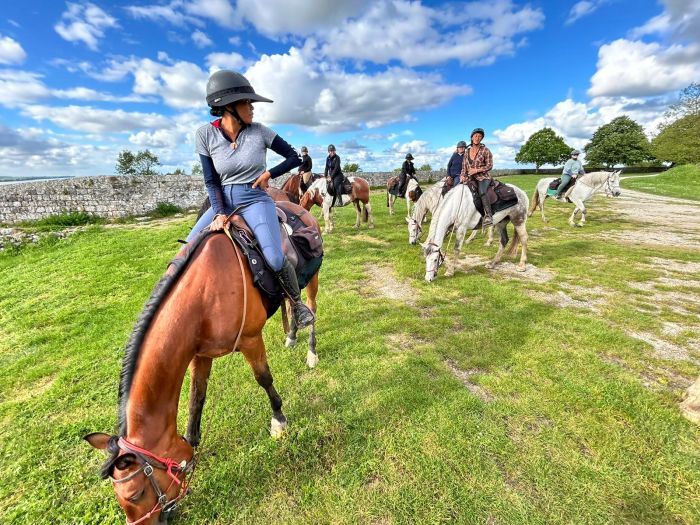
165,209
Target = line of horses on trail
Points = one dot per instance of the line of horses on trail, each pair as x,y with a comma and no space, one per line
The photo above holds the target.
206,306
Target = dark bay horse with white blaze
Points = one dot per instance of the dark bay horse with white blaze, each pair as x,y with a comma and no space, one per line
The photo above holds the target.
203,308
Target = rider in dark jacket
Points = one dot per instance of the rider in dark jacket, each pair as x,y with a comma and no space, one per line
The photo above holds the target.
334,174
454,167
407,170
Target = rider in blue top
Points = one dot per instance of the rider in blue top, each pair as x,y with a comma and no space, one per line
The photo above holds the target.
572,169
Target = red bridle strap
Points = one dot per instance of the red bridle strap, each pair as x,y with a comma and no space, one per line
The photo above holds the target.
168,463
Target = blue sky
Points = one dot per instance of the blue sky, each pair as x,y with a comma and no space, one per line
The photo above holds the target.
80,81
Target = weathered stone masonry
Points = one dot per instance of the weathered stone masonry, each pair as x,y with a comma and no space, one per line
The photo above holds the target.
113,197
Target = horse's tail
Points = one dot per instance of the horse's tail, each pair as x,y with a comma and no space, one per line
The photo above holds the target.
387,196
513,248
533,203
365,213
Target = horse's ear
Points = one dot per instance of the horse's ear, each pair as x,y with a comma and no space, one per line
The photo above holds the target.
98,440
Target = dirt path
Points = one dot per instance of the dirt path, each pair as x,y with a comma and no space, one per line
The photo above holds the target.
666,221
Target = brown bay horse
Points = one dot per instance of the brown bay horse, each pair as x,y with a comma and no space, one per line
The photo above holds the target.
318,194
203,308
292,188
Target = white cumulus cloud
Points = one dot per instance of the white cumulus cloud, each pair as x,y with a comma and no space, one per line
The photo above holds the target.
635,68
201,39
84,23
297,16
10,51
95,120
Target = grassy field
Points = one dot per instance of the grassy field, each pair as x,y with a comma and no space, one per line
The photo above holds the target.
483,398
682,182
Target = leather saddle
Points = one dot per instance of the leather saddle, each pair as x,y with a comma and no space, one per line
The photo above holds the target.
301,244
500,196
347,187
554,185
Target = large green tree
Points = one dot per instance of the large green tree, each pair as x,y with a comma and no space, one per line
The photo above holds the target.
141,163
679,142
543,147
351,167
621,141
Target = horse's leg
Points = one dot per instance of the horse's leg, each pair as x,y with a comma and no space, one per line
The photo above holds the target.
543,197
503,235
521,232
471,236
327,224
292,335
254,353
200,367
489,241
408,207
358,215
391,204
573,215
582,208
311,293
370,216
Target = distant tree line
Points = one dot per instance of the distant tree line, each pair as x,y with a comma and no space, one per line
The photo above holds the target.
623,142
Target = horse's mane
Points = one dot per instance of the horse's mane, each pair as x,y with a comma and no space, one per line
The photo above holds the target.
133,348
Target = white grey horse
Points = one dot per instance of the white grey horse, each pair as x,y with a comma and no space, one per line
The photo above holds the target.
457,209
429,202
586,186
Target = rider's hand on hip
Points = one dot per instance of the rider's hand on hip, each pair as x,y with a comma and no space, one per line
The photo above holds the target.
262,181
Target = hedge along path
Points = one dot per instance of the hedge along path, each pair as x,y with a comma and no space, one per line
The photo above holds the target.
580,426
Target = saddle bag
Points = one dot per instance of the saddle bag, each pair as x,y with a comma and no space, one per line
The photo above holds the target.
555,184
308,242
504,192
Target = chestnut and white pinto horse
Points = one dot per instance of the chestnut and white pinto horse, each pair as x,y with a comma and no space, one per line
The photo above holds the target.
410,197
318,194
586,186
457,210
429,202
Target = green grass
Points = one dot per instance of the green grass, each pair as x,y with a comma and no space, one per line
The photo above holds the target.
682,182
381,432
62,221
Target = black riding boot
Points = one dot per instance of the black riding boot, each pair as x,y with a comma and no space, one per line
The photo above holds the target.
303,316
488,216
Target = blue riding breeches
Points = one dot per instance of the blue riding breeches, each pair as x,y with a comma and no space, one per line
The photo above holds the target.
259,214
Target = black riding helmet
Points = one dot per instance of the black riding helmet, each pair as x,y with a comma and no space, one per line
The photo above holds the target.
462,144
227,87
477,130
409,156
331,147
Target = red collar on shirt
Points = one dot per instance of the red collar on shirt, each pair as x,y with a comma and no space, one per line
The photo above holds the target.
216,123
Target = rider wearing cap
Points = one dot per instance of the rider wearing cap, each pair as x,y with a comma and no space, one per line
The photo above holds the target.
334,174
407,170
232,150
478,161
454,167
572,169
305,170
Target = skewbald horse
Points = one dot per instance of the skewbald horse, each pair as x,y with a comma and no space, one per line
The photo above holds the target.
197,312
318,194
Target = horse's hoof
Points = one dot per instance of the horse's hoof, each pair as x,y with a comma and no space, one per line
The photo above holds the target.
371,226
289,343
278,428
449,273
520,268
490,266
488,243
356,226
311,359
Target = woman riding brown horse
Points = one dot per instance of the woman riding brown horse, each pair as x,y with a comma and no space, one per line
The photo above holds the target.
200,310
